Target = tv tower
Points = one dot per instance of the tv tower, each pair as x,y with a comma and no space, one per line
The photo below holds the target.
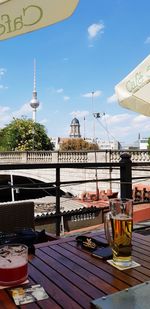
34,103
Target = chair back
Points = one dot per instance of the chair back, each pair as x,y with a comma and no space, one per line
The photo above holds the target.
16,215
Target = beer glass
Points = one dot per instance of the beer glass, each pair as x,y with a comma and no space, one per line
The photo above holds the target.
118,225
13,264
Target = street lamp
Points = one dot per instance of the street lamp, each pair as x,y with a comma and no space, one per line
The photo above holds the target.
98,115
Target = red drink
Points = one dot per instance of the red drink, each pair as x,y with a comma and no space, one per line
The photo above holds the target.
13,264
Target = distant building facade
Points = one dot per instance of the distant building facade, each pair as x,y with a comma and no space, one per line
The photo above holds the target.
108,145
75,133
143,143
55,141
75,128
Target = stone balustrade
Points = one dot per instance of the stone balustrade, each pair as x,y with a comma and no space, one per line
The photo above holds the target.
73,174
71,156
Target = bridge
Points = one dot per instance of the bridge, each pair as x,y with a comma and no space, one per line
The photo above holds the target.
75,172
48,175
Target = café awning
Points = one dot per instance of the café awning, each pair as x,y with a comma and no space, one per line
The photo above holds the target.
21,16
133,92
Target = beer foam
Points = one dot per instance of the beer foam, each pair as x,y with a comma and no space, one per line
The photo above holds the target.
122,217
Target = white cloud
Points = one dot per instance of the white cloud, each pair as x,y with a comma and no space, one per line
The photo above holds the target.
147,41
119,118
4,115
60,90
66,98
119,133
56,111
125,126
91,45
112,98
44,121
65,59
2,72
24,110
95,94
140,119
4,109
3,87
80,114
95,29
113,127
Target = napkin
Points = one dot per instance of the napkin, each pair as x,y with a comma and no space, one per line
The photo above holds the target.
133,264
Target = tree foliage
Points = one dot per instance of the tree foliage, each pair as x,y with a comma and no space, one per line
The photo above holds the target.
77,144
23,134
148,146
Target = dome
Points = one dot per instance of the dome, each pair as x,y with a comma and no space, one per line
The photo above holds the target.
75,121
75,128
34,103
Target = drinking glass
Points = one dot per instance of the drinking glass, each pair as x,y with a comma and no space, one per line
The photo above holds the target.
13,264
118,225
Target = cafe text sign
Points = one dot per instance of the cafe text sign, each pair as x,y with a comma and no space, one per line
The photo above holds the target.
133,92
139,78
21,16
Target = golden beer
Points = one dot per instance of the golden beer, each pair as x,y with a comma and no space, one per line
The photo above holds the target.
118,229
121,239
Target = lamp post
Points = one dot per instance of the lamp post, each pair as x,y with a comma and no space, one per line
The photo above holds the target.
94,118
96,115
12,188
94,140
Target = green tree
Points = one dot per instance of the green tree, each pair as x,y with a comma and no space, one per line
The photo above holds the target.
148,146
23,134
77,144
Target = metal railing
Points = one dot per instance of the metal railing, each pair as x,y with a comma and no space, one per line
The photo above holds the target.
125,179
124,165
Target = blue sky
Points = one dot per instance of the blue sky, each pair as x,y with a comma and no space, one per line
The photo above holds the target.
91,51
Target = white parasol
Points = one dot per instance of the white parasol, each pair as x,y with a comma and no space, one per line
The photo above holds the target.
21,16
133,92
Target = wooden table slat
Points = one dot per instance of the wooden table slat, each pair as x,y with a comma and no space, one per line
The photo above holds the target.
73,272
72,277
97,266
57,285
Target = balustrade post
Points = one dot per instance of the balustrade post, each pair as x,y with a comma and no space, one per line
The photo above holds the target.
54,156
125,176
58,218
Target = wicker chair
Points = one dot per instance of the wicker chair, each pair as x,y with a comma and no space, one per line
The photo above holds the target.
16,215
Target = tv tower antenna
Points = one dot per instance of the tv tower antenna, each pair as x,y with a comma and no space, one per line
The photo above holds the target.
34,103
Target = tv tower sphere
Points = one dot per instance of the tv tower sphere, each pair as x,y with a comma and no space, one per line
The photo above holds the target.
34,103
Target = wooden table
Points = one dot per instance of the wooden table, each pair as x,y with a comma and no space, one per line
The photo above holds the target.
72,277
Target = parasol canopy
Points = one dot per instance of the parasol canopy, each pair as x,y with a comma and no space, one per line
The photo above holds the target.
133,92
21,16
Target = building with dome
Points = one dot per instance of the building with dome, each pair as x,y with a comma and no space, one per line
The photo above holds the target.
75,128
